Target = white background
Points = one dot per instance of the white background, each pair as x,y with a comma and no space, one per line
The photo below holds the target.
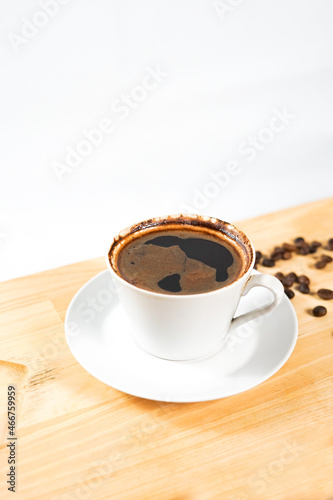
226,75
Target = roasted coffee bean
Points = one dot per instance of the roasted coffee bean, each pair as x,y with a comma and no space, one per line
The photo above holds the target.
299,240
279,276
316,244
301,244
303,249
312,249
319,311
258,255
287,256
268,263
303,288
303,279
292,276
288,281
330,244
326,258
325,293
320,264
289,293
289,247
276,255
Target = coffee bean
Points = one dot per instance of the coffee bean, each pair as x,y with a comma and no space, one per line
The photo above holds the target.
268,263
258,255
303,279
289,247
303,249
325,293
303,288
312,249
326,258
292,276
330,244
319,311
316,244
287,256
299,240
287,282
301,244
279,276
290,294
320,264
276,255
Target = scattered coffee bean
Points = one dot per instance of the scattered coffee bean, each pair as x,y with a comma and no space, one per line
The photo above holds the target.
289,247
279,276
303,279
287,282
290,294
320,264
330,244
258,256
268,263
325,293
303,249
276,255
319,311
303,288
292,277
326,258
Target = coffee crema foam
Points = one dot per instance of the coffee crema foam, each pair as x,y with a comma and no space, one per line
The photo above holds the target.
179,259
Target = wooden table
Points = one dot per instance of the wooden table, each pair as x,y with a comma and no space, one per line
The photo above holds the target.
80,439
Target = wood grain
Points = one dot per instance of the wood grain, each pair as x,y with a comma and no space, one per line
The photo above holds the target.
80,439
17,375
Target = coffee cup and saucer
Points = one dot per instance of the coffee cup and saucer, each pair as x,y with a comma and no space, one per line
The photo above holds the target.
172,318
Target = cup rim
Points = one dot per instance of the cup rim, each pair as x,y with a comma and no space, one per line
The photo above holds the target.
173,219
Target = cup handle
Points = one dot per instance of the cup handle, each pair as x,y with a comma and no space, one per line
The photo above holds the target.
267,281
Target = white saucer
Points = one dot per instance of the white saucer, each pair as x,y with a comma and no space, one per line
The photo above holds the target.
99,337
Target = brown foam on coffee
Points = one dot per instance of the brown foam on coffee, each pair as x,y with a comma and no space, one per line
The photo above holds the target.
161,265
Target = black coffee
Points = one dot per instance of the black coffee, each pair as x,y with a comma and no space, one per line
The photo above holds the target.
179,261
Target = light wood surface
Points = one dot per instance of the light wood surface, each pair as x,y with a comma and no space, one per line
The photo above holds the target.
17,375
80,439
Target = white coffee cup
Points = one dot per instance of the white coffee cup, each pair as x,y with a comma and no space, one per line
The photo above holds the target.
185,327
